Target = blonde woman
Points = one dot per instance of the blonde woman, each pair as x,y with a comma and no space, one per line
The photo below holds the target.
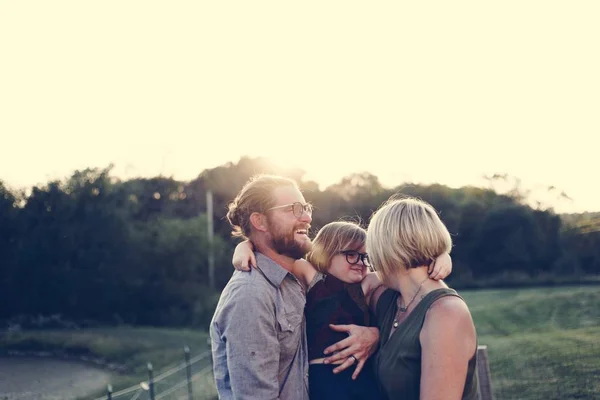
339,288
428,344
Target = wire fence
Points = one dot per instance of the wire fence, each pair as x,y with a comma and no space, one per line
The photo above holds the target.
190,380
573,374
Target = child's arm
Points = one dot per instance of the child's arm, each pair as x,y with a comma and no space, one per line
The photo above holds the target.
244,259
441,267
304,271
243,256
369,284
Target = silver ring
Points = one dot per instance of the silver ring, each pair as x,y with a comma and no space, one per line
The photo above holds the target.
355,359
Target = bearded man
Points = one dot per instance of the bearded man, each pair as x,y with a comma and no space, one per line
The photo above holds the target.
258,333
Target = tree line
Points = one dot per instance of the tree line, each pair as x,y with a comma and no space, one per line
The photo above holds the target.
98,250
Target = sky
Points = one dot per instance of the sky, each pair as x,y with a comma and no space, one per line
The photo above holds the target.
437,91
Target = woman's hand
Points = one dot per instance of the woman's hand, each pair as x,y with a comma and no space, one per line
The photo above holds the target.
441,267
243,256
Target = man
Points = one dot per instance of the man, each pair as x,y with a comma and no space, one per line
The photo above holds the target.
258,331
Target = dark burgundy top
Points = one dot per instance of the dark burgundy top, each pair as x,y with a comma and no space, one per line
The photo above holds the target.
331,301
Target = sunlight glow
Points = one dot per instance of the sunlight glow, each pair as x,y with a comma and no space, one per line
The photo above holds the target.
409,92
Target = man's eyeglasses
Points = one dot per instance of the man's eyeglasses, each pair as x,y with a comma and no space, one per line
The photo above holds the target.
353,257
297,208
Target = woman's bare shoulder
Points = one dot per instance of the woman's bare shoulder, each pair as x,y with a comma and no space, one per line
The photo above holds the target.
448,312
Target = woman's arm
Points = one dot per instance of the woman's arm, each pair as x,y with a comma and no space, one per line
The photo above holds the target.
448,341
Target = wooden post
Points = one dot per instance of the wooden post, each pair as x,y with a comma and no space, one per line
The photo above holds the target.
151,381
483,370
188,370
211,257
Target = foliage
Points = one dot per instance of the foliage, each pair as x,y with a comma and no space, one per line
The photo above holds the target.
97,250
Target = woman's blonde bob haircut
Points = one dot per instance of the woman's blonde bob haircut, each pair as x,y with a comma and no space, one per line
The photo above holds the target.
405,233
333,238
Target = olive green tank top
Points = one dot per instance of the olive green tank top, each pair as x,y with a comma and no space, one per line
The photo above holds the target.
398,361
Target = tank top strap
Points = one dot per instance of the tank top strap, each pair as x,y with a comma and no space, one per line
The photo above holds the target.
427,302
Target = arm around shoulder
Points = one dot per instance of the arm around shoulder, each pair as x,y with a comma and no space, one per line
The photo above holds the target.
243,256
369,284
304,271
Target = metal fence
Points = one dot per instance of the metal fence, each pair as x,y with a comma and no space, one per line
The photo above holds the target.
538,376
192,379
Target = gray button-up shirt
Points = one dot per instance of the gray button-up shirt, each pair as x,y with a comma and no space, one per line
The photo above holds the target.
258,335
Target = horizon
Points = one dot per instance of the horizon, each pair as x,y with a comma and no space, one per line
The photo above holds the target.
538,194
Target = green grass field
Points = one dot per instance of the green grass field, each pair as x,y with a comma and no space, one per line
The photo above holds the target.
131,348
543,343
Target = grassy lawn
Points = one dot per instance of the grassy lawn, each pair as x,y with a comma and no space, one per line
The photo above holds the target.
131,348
543,343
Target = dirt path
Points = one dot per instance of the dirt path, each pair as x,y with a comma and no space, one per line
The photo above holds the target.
30,378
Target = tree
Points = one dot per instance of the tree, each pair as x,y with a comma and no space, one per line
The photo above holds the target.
9,248
508,240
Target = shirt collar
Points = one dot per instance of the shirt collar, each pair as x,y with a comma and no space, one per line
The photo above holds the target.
274,272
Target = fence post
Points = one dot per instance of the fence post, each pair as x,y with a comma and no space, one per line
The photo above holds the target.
151,381
211,233
483,371
109,392
188,368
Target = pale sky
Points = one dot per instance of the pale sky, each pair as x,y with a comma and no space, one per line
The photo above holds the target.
437,91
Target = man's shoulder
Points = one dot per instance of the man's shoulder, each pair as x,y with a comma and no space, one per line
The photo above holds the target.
246,294
249,284
254,277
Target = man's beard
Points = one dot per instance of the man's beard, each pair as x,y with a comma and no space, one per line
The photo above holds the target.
286,244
